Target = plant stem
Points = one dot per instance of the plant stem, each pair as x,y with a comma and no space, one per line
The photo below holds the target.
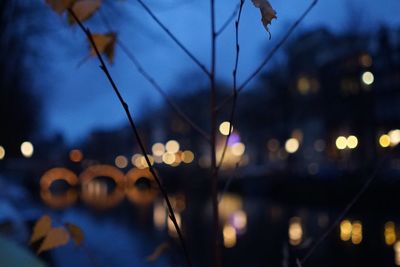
214,172
271,53
125,106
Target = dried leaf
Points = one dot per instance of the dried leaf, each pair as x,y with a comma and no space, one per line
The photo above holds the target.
84,9
105,43
267,13
41,228
56,237
157,252
60,6
76,233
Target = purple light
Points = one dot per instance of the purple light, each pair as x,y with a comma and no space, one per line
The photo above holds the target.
233,139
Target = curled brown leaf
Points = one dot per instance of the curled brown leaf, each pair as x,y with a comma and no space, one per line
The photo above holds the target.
267,13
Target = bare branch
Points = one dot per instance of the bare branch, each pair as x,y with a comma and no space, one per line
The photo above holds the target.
271,53
153,82
364,188
229,20
234,73
173,37
125,106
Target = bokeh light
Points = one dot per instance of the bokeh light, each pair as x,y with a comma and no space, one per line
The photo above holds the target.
292,145
341,142
384,140
121,162
367,78
172,146
224,128
2,152
27,149
75,155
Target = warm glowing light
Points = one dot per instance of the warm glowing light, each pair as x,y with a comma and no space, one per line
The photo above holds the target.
137,161
121,162
27,149
384,140
367,78
356,234
303,85
172,146
2,152
394,137
341,142
352,142
158,149
168,158
345,230
396,248
295,231
229,233
239,220
187,156
171,228
224,128
390,233
292,145
159,216
228,205
238,149
143,161
75,155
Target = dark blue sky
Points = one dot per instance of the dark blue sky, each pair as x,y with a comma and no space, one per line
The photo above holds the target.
79,99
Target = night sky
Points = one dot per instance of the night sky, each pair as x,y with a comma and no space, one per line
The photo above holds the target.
77,98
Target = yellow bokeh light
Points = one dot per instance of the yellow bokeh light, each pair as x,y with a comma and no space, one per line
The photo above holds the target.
367,78
121,162
352,142
341,142
356,235
187,156
168,158
27,149
238,149
390,233
158,149
229,234
172,146
384,140
295,231
171,227
75,155
394,137
144,162
2,152
345,230
224,128
292,145
303,85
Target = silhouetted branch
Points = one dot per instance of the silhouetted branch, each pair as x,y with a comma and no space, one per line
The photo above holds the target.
234,93
213,128
271,53
173,37
365,186
155,85
229,20
125,106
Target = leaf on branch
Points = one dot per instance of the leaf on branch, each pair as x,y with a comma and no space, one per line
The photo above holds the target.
157,252
41,228
56,237
60,6
267,13
84,9
76,233
105,44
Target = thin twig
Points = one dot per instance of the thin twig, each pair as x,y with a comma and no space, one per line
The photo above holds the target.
234,74
271,53
173,37
125,106
158,88
228,182
365,186
153,82
229,20
214,172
